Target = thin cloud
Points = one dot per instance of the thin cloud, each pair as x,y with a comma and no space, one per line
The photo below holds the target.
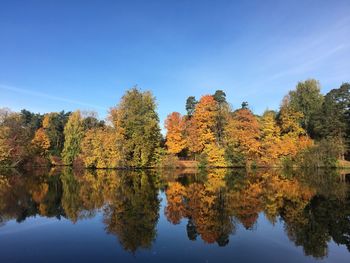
48,96
309,65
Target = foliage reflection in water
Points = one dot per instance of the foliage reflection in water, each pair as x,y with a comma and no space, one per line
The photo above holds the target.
313,207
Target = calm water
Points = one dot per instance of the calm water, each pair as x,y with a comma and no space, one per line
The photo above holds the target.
172,216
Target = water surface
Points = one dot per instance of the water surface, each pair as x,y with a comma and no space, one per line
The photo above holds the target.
174,216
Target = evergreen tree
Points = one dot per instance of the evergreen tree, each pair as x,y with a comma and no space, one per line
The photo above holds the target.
191,103
333,120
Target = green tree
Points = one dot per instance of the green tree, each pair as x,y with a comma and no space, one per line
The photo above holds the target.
136,123
133,211
307,99
333,120
91,122
222,116
220,97
191,103
53,124
244,105
32,121
73,135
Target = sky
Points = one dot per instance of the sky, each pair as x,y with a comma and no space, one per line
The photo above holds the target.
68,55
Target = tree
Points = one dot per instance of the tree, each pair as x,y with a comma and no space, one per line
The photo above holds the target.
215,155
333,120
73,135
41,142
270,138
290,119
191,103
220,97
53,124
293,136
222,115
307,99
91,122
14,139
136,123
32,121
99,149
175,126
243,134
191,134
202,132
205,119
244,105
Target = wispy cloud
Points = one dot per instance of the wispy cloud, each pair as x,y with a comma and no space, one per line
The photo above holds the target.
309,64
50,97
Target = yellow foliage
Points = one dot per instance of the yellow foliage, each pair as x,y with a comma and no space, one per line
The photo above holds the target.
41,142
215,155
99,149
243,134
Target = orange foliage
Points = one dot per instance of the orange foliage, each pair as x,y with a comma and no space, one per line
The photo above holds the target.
41,141
204,121
192,139
175,140
175,209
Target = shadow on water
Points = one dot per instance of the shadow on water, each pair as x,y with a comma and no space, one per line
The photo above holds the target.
314,206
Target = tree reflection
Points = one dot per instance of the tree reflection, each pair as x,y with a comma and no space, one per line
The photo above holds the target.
314,206
132,212
312,215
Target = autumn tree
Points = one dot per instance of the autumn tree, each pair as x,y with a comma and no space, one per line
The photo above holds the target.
53,124
41,142
136,123
175,126
191,135
214,155
290,119
243,136
202,133
205,119
270,138
99,148
14,140
293,136
73,135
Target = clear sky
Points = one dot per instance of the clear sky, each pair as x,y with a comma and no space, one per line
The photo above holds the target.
64,55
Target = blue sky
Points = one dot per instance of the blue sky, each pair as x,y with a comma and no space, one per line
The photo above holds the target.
65,55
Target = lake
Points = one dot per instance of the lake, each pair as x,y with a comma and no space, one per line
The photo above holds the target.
219,215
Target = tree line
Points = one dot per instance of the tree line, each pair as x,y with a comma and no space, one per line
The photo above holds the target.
309,128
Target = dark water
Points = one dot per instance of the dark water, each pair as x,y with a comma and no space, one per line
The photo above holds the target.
172,216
